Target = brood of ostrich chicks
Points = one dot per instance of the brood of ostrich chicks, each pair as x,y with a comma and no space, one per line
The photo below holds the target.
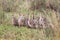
34,22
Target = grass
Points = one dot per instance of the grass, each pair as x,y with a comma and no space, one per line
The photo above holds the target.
10,32
22,33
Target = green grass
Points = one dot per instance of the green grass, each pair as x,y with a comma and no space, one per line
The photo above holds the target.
9,32
22,33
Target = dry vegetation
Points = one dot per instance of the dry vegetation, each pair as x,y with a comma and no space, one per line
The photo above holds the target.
48,8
